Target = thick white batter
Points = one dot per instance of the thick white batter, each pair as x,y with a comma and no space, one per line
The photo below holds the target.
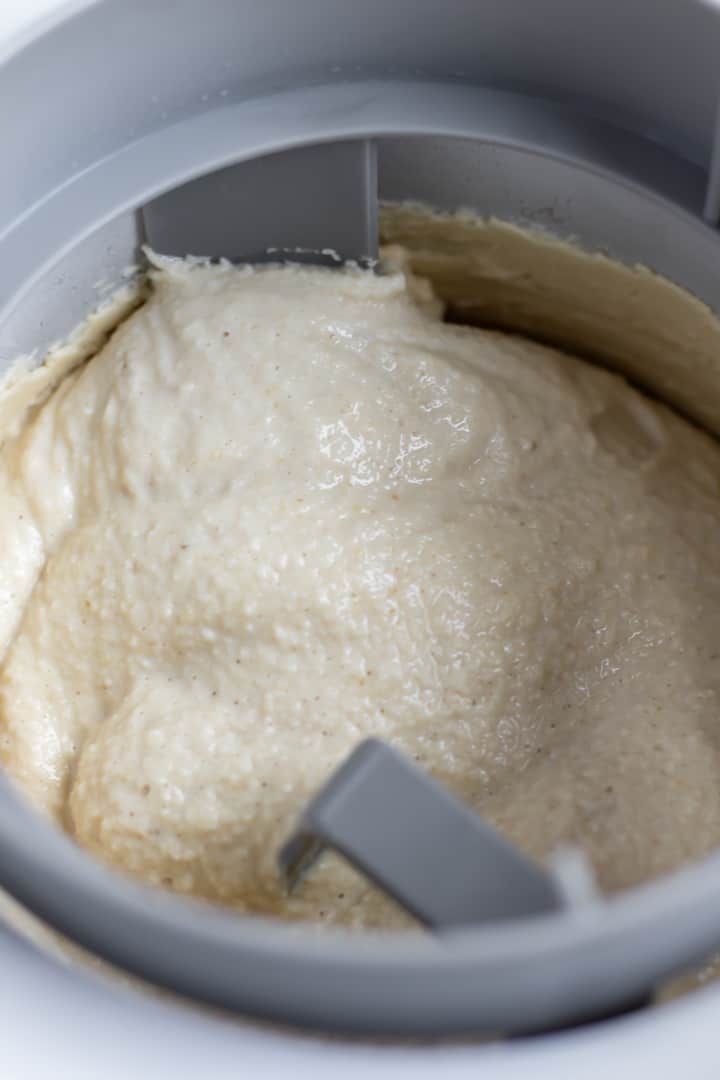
285,509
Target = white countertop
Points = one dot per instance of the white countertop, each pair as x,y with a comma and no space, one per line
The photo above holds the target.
16,15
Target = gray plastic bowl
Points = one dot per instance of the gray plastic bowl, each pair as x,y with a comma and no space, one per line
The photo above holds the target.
605,113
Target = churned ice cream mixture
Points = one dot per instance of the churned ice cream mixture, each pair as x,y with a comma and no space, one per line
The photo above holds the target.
286,508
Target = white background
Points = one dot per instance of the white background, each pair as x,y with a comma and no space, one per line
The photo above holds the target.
16,14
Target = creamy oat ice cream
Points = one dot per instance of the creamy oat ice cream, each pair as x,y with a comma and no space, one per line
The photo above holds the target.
282,509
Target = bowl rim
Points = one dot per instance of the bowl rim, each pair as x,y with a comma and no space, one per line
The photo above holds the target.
542,971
